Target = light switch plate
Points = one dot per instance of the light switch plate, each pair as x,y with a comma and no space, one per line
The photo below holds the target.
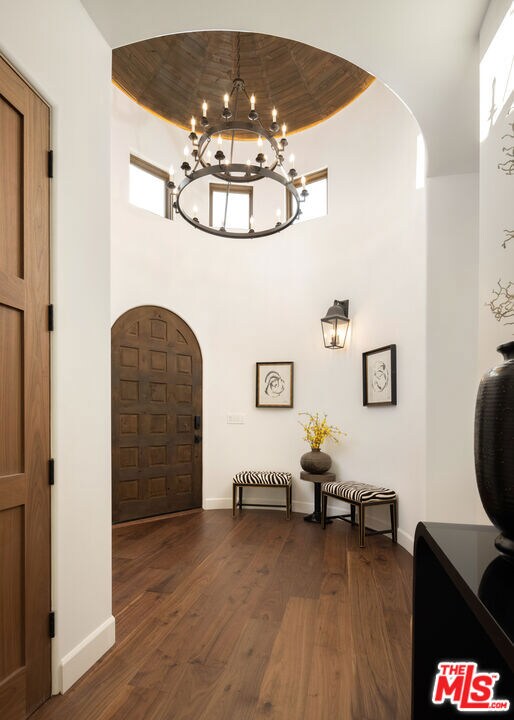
235,419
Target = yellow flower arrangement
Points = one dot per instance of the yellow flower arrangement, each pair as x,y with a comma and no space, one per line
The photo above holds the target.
317,430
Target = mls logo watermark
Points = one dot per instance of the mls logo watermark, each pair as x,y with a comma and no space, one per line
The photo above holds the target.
467,688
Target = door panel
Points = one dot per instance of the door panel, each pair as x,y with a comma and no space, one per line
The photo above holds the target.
156,394
11,591
11,211
24,399
11,391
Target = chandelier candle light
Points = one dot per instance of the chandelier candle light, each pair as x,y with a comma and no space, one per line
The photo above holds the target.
224,168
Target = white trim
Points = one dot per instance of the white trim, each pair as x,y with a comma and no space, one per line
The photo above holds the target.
217,503
226,504
86,653
406,541
303,507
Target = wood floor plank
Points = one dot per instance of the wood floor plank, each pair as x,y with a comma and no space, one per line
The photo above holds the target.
141,704
193,624
230,596
394,587
136,613
374,688
330,685
141,542
250,618
286,681
127,592
331,677
297,573
237,692
71,706
335,594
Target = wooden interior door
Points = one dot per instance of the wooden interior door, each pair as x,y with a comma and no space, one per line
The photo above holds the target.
24,399
156,415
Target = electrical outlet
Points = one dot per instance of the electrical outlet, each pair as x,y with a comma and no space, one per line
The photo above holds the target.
235,419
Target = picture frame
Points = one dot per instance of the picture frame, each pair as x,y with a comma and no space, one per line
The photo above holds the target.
379,376
274,384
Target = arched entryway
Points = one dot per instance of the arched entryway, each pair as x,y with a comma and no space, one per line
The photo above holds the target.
156,415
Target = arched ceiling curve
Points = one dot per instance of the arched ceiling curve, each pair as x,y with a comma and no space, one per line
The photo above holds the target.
425,51
173,74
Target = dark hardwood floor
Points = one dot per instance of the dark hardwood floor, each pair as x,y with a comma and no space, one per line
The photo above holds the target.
258,617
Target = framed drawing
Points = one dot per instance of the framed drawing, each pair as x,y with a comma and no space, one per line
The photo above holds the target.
274,384
379,376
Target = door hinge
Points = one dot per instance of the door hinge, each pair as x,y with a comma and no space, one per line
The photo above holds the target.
51,624
50,163
51,471
50,318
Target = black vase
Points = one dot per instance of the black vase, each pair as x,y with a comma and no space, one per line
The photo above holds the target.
494,447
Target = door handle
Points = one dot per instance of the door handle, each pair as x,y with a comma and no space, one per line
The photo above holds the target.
198,439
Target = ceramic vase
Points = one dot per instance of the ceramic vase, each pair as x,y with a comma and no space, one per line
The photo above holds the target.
316,462
494,447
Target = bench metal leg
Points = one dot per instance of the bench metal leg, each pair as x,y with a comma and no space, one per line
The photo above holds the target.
362,524
237,499
393,508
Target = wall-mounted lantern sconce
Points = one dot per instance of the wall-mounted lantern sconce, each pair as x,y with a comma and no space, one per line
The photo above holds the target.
335,325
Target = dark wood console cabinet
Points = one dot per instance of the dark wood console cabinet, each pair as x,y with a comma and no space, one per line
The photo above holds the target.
463,611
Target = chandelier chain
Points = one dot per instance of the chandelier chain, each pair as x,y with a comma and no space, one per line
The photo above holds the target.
238,55
238,75
229,184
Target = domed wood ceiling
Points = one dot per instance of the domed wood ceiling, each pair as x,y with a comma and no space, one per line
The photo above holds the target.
173,75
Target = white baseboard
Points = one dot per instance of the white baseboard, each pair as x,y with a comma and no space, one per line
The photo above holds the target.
404,539
217,503
302,507
226,504
86,653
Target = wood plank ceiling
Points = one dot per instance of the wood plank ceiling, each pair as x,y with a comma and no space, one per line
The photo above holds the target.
172,75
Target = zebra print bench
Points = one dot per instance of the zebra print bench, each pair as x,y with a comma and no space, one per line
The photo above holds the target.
262,478
362,496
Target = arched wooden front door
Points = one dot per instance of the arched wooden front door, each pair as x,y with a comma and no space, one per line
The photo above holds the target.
156,415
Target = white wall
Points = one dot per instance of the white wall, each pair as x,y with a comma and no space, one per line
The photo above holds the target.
262,300
58,48
452,240
496,188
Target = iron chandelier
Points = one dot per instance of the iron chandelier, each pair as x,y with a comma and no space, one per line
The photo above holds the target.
224,168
